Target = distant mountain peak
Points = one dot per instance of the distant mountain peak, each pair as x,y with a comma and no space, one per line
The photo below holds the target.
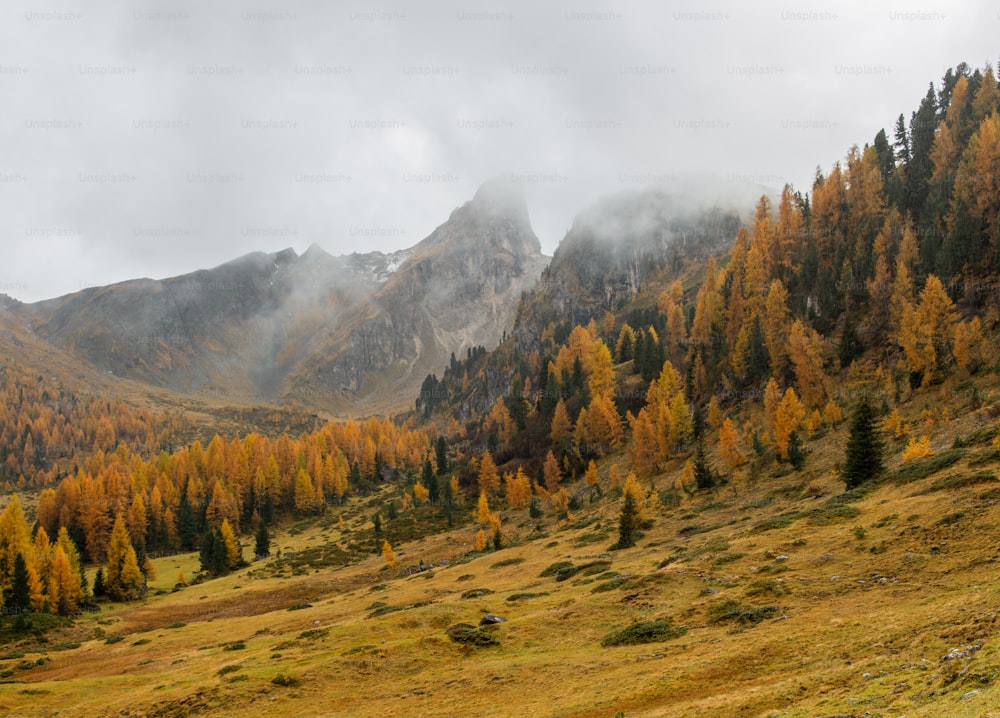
501,196
315,252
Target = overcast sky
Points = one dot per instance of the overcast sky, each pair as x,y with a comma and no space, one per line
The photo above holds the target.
149,139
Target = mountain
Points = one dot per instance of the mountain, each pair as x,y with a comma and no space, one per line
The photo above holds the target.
615,248
616,257
349,334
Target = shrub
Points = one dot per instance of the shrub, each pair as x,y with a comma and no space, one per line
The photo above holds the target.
509,562
525,595
287,681
743,615
644,632
471,636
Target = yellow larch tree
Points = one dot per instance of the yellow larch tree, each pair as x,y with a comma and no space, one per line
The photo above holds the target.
483,512
788,418
561,424
729,444
388,555
551,472
488,477
804,352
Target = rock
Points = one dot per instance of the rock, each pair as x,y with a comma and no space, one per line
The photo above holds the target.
956,654
490,620
709,591
782,557
969,694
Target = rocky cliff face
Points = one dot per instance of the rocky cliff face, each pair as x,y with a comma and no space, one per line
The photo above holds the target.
350,334
459,288
613,249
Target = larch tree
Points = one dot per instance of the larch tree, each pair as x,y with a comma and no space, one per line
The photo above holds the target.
551,472
729,444
483,512
643,451
804,351
234,552
388,555
561,427
489,479
788,418
123,578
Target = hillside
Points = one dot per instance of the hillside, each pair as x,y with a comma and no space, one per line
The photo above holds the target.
787,599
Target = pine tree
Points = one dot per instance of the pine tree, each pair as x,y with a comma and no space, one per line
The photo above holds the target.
19,599
628,522
704,477
100,587
863,459
441,455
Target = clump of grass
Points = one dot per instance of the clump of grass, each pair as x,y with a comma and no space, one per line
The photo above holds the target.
299,606
556,568
610,584
383,610
728,558
952,518
829,514
471,636
526,595
644,632
692,529
142,642
315,633
234,646
286,681
225,670
476,592
176,624
733,611
113,639
509,562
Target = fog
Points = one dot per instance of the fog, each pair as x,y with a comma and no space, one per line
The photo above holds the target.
153,139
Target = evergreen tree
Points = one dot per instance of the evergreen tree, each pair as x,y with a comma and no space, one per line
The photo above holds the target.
704,477
863,460
441,455
378,524
628,522
19,599
187,525
262,541
206,549
100,588
796,456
